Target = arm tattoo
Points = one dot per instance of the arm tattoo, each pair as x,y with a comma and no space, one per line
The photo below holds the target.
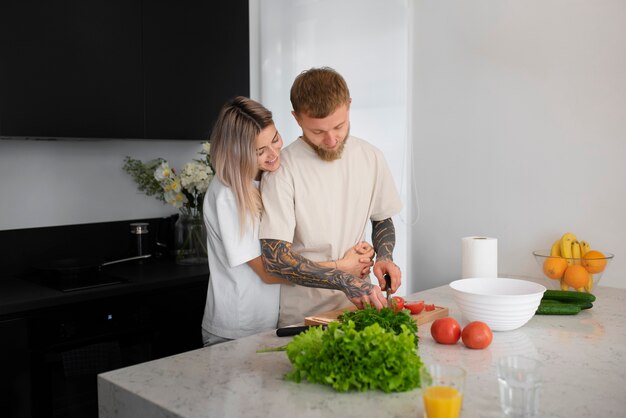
281,261
383,239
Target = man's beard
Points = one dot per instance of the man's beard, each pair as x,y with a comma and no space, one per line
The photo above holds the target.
325,154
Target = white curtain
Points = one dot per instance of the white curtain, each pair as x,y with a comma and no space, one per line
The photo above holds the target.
367,41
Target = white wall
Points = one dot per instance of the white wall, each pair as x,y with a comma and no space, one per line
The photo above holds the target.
519,124
367,42
47,183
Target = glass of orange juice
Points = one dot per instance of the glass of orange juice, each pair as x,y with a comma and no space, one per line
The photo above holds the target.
442,390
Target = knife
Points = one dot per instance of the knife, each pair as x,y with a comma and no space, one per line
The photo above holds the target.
387,278
289,331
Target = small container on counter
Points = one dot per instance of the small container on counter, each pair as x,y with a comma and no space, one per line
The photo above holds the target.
140,243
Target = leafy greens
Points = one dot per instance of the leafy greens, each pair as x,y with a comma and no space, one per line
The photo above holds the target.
387,318
360,357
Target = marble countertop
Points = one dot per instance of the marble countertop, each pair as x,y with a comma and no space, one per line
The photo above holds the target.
584,358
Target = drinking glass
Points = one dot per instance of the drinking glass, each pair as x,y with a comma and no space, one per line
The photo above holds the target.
442,390
519,379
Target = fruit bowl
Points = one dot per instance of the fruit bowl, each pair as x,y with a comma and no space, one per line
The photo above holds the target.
503,304
562,273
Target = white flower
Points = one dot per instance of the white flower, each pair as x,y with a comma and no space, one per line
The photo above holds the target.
172,185
176,199
185,191
196,176
163,172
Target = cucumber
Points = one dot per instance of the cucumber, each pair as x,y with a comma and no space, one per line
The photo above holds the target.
582,303
557,309
567,296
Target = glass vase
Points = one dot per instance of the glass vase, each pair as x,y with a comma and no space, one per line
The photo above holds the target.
190,240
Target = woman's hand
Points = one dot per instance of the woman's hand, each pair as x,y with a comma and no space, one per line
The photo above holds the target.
357,260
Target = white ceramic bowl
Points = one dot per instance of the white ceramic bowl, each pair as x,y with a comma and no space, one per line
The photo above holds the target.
503,304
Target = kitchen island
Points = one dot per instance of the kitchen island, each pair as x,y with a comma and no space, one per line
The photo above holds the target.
584,359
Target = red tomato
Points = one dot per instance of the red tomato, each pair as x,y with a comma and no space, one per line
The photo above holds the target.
477,335
415,306
446,330
430,307
397,302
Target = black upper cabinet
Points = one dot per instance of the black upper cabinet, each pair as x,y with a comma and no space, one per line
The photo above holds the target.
119,68
72,68
195,57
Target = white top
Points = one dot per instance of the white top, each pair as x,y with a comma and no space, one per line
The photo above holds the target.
323,208
238,302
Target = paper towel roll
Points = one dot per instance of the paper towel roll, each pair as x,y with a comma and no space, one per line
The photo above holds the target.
479,257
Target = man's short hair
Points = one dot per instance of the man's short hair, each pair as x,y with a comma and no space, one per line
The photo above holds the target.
318,92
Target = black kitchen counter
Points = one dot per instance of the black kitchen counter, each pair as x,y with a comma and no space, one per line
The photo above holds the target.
18,296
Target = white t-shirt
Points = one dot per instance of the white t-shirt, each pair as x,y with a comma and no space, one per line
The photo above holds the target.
323,208
238,302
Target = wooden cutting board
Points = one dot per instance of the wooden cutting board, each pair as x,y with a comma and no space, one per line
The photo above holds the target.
421,318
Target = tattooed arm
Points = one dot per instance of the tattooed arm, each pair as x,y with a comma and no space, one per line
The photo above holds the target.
384,240
280,260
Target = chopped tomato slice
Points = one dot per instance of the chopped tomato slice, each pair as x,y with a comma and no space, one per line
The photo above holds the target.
397,303
415,306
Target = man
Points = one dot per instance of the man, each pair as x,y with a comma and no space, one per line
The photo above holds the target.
318,203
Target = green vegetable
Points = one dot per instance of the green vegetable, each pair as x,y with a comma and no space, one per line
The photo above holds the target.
350,359
557,309
581,303
567,296
563,302
387,318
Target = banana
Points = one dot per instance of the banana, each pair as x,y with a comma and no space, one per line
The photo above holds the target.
555,251
584,248
576,255
564,286
566,247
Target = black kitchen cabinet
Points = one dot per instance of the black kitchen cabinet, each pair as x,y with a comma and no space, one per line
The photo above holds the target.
15,378
195,57
126,69
71,68
53,343
50,357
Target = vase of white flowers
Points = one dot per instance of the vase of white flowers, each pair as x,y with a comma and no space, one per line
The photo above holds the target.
185,191
190,240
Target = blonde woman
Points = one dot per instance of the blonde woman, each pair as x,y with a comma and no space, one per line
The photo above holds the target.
242,298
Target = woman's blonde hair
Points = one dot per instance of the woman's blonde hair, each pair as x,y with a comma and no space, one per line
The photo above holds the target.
233,153
318,92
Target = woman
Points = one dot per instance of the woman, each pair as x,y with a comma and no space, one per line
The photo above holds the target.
241,298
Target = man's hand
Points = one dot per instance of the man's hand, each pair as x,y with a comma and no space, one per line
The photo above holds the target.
384,239
368,294
388,266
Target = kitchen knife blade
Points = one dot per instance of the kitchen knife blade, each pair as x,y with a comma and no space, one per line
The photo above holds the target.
388,289
289,331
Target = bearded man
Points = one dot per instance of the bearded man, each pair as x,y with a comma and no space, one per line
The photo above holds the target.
319,202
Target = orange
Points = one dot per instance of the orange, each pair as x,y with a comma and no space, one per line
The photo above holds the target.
554,267
594,261
576,276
